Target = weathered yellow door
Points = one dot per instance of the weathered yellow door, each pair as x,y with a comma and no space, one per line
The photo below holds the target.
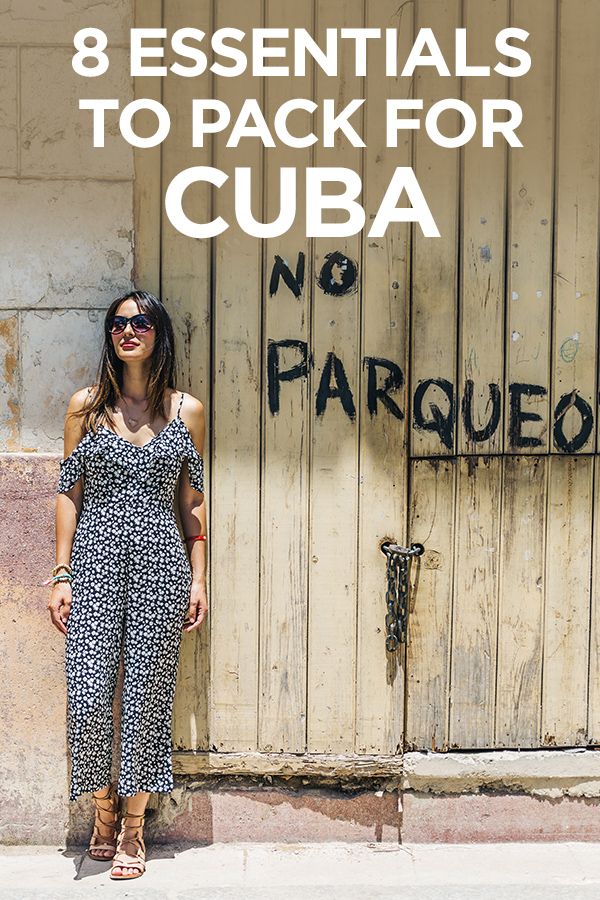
504,635
406,388
299,350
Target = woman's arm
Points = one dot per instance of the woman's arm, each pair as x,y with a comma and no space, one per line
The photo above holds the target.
192,508
68,508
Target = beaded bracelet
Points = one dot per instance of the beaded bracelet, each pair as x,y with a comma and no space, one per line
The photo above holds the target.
54,573
66,576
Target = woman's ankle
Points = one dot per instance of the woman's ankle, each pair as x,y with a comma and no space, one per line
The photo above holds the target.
102,792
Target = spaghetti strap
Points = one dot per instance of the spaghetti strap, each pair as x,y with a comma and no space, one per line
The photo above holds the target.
180,403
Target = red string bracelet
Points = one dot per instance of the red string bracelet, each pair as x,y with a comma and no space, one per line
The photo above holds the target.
196,537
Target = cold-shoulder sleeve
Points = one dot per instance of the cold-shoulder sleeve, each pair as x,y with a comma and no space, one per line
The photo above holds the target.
71,468
195,465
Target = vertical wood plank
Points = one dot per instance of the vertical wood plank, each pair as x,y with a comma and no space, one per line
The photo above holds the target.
475,608
594,673
284,526
567,612
147,199
576,251
530,229
432,511
334,463
521,615
435,264
186,294
236,423
383,500
481,315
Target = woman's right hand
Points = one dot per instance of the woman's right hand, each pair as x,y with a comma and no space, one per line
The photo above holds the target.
60,605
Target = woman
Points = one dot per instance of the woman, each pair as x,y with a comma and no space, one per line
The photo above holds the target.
123,579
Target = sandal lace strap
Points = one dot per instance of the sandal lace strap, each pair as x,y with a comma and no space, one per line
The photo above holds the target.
112,811
132,835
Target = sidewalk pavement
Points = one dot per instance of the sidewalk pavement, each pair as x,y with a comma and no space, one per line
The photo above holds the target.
331,871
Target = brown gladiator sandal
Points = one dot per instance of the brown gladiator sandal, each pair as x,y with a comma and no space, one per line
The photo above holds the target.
130,836
100,840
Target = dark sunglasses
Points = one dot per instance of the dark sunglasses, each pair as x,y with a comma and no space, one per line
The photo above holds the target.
140,323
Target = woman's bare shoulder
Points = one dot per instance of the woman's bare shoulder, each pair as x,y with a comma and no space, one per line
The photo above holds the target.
79,399
74,428
192,406
192,413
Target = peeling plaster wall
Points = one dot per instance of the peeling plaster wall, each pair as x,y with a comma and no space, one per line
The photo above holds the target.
66,234
66,230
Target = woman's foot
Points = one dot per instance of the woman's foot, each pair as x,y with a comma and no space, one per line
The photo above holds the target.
130,859
103,841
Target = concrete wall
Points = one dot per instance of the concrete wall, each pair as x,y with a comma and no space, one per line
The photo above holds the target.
66,239
67,226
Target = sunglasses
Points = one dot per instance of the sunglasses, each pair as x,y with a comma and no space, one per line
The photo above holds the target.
140,323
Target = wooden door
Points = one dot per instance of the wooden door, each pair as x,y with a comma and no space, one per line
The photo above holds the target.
299,350
408,388
503,647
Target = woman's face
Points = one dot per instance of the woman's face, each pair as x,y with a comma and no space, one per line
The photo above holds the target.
130,345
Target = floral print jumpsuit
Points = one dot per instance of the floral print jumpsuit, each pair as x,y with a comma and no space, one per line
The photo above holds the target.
131,590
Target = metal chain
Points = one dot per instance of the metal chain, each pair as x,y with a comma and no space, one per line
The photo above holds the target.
397,591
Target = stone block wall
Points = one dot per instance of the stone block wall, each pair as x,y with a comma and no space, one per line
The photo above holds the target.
66,230
66,249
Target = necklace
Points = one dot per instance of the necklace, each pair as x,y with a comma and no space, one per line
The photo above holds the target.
131,420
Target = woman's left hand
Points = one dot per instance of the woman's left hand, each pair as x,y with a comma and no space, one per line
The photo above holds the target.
198,607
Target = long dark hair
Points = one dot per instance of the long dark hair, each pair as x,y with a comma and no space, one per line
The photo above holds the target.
109,386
